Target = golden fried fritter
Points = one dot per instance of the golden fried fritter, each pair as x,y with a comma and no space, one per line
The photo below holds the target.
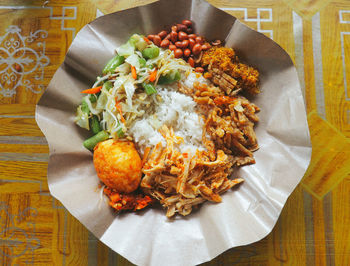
118,165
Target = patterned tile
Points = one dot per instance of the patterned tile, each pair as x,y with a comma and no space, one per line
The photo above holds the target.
307,8
18,237
257,16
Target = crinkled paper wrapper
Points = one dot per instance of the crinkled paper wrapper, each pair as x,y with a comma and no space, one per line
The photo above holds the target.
247,213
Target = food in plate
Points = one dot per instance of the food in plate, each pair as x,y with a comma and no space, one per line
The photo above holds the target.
163,131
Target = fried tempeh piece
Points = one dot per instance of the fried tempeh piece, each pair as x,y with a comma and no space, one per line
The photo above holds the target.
225,71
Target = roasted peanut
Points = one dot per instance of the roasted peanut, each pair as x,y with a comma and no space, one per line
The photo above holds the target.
199,40
192,42
181,27
191,61
173,36
197,48
182,36
172,47
187,22
187,52
165,43
150,37
178,44
162,34
178,53
185,43
157,40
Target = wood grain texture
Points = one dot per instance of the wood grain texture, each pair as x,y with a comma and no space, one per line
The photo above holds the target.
326,172
17,109
337,86
23,148
59,234
23,170
19,126
275,255
319,229
310,91
341,208
313,226
102,254
293,229
76,242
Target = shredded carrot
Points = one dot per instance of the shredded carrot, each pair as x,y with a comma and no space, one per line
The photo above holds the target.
185,154
153,76
117,104
92,90
119,108
133,72
146,39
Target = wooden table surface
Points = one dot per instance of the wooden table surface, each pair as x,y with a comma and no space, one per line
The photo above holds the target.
313,228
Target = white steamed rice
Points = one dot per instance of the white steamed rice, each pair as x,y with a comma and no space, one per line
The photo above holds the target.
175,110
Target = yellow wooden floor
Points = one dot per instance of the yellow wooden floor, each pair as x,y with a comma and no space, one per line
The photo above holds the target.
313,228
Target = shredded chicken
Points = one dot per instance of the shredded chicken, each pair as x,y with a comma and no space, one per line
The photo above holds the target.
229,121
182,180
230,125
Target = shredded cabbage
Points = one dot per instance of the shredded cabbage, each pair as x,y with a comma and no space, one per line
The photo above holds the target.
82,118
129,90
126,49
123,69
102,101
138,41
119,107
134,61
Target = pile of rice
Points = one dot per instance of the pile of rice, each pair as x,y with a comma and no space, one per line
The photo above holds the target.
175,110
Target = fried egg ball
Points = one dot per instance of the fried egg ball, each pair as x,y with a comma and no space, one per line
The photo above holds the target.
118,165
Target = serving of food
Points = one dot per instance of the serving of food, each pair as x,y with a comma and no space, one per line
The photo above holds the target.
171,123
170,120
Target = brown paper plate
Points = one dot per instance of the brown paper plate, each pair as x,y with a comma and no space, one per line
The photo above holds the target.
247,214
